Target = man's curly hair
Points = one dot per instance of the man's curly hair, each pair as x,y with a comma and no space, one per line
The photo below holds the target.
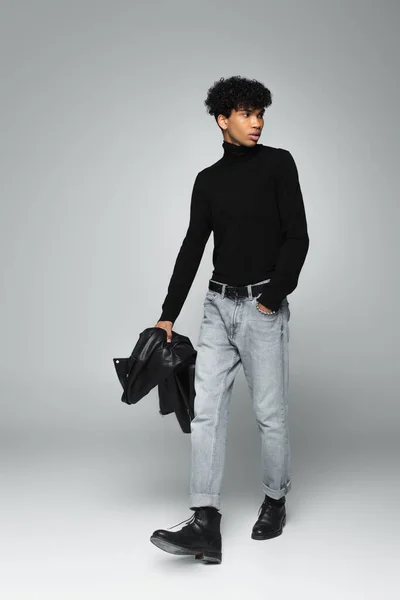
234,93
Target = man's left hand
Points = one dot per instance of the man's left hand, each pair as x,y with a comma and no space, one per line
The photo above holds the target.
264,308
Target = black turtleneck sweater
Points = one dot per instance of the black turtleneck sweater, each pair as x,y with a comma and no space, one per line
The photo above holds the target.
252,201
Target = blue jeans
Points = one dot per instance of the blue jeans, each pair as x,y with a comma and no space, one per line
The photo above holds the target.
234,332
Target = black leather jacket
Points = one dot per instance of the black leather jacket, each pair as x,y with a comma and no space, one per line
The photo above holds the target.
169,365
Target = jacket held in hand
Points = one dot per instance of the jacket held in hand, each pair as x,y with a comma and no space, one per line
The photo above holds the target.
168,365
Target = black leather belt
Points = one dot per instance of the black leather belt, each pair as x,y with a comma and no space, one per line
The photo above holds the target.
237,291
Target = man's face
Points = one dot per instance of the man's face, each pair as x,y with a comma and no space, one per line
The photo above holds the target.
242,125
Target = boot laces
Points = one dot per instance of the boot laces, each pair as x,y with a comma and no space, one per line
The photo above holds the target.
266,506
189,521
262,507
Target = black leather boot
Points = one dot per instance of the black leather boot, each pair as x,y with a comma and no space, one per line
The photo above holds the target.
200,537
271,520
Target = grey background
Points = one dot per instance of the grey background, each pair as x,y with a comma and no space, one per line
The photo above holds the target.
103,130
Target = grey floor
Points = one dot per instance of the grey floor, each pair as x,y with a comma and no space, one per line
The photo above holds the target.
77,510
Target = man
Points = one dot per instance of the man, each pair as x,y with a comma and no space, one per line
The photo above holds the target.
252,201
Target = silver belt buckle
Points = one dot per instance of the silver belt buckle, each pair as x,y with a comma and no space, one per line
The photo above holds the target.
230,292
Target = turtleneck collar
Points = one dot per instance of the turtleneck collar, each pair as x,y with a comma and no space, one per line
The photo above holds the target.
235,152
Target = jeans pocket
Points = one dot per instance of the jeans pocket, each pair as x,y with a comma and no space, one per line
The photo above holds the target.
263,314
211,295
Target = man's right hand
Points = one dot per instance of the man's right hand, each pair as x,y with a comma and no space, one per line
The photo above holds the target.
167,325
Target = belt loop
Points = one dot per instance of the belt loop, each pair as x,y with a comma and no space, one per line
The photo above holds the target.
249,291
223,290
